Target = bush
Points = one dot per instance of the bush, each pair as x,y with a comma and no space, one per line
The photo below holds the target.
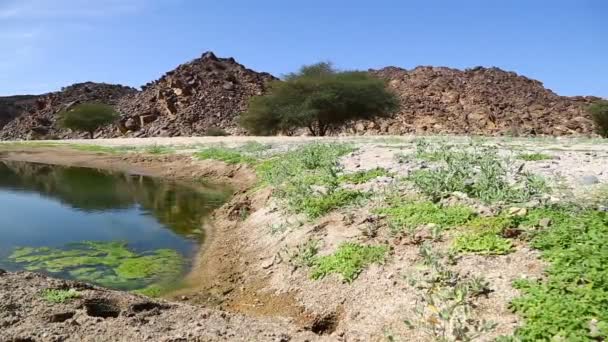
87,117
318,98
216,132
599,113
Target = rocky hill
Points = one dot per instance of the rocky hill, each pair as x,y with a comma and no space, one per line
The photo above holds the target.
487,101
211,92
208,92
12,106
39,120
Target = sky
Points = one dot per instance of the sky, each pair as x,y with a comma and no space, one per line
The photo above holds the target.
48,44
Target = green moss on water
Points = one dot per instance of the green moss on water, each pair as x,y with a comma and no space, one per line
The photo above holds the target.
110,264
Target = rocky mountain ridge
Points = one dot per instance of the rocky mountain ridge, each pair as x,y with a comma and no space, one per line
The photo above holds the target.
210,92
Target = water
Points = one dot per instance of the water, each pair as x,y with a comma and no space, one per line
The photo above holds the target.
117,230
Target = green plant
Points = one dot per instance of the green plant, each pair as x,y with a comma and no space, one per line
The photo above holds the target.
599,114
60,296
361,177
318,98
321,204
570,305
227,155
87,117
533,156
158,149
483,236
102,149
404,214
216,132
349,260
305,255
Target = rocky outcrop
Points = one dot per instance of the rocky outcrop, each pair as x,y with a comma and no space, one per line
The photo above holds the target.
39,121
486,101
208,92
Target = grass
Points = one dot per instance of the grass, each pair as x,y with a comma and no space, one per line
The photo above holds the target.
349,261
572,303
404,214
159,149
59,296
476,171
227,155
307,181
534,156
361,177
101,149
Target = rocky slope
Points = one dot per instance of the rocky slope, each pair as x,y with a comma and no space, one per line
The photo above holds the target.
487,101
40,120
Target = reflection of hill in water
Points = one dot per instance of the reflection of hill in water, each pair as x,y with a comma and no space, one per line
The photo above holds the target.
178,207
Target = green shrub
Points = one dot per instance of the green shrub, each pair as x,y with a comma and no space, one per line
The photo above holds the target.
318,98
318,205
349,260
599,113
227,155
361,177
572,303
87,117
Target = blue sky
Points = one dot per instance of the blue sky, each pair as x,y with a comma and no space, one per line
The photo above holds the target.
47,44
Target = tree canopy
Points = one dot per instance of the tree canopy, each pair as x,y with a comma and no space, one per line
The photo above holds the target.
87,117
599,113
320,98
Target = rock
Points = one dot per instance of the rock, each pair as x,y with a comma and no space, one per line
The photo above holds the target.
515,211
2,272
544,222
588,180
131,124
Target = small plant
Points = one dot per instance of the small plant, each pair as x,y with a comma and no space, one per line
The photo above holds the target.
317,206
87,117
349,260
254,147
216,132
60,296
226,155
483,236
305,255
599,114
361,177
534,156
158,149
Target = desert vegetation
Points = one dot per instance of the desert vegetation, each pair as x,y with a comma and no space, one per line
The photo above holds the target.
599,113
87,117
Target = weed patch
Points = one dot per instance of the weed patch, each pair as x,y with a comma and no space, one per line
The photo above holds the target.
158,149
572,304
59,296
478,172
307,179
349,261
406,215
534,156
227,155
102,149
361,177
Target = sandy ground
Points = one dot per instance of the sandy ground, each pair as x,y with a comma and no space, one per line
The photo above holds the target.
245,268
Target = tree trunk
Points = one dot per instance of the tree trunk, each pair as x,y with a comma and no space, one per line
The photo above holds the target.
91,134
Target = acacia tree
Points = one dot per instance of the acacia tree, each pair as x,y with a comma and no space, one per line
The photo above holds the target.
319,98
87,117
599,113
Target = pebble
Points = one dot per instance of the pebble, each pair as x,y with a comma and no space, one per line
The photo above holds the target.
589,180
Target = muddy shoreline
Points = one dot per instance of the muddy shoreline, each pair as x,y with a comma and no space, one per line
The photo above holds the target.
219,266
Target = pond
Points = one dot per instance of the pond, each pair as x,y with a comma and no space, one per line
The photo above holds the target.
117,230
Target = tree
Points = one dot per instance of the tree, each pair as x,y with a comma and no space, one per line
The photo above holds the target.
599,113
319,98
87,117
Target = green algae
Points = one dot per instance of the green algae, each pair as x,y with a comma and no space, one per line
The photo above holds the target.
110,264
